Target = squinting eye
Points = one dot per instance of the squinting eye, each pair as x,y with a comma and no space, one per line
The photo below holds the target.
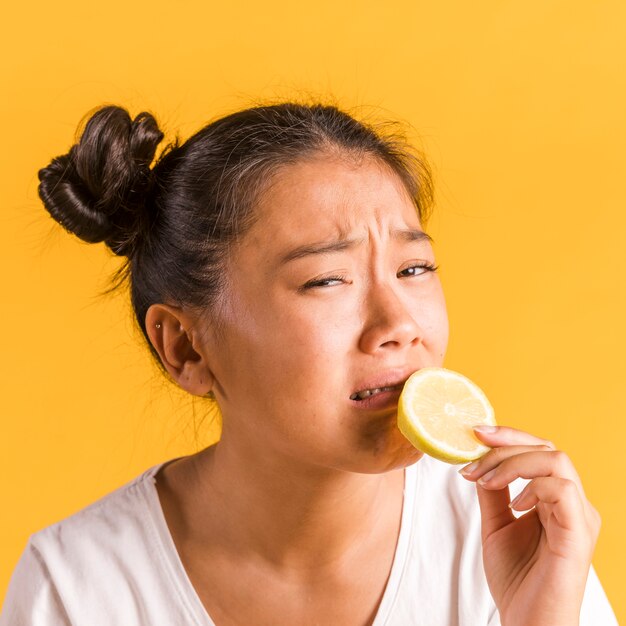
330,281
418,269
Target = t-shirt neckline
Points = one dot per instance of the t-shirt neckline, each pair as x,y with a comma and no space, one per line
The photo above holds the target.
187,592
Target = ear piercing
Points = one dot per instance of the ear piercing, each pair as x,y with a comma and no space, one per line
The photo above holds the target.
157,325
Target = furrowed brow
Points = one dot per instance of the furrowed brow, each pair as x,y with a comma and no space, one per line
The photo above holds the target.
326,247
322,247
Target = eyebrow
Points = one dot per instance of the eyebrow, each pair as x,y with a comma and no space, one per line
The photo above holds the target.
338,245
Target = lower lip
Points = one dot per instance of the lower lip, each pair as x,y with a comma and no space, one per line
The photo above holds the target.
382,400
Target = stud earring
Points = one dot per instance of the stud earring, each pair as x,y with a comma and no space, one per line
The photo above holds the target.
158,325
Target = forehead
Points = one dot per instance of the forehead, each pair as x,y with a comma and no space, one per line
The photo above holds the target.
327,196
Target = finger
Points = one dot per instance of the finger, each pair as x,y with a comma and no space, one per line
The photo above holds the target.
544,511
495,512
494,457
532,464
495,436
563,496
562,515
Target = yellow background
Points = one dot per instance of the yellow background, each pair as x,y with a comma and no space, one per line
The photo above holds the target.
521,107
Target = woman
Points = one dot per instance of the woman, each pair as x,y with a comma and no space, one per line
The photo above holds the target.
279,265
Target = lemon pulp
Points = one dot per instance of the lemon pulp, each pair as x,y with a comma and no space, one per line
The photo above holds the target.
437,410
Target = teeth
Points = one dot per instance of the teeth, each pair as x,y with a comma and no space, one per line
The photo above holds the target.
361,395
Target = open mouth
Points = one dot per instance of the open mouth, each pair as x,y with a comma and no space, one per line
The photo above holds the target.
368,393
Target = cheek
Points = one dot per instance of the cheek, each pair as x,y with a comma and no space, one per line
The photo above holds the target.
319,326
286,347
313,347
438,330
310,354
436,322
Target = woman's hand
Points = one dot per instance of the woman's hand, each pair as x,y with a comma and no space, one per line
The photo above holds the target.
537,564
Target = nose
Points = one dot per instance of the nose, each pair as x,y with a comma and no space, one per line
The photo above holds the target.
390,324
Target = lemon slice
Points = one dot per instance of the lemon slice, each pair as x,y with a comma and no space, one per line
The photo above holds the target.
437,410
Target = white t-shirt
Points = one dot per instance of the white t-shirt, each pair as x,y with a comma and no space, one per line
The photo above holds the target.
115,563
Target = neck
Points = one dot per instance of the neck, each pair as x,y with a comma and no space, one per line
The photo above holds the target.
291,515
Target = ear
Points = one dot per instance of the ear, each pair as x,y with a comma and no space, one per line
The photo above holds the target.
177,337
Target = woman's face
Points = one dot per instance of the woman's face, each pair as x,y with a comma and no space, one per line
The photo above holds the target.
329,295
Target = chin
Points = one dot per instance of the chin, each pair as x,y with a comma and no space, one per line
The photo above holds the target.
408,455
392,452
378,465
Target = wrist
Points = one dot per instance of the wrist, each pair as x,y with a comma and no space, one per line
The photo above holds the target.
525,620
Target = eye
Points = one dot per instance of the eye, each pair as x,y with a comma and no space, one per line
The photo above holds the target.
417,269
327,281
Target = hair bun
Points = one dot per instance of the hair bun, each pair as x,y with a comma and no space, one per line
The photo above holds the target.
98,190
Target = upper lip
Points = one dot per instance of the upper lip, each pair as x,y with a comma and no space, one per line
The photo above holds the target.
390,378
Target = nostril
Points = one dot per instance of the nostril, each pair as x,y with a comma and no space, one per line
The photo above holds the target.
390,322
390,338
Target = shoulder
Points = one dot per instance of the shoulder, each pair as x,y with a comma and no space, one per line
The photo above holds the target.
89,557
106,525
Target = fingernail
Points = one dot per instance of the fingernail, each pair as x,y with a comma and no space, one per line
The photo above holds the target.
487,477
513,503
468,469
486,429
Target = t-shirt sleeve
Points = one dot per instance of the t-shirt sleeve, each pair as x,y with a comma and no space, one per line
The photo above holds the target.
32,598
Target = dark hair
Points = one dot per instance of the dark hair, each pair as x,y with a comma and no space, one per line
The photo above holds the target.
174,223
